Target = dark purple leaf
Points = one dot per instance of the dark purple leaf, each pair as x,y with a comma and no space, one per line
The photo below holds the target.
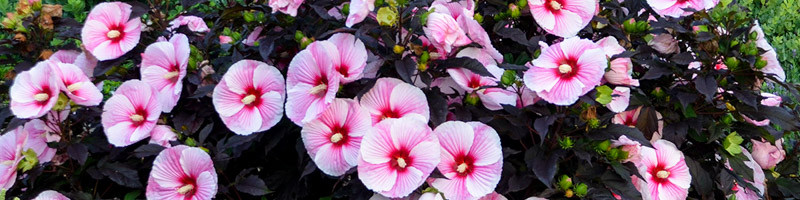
253,185
707,86
78,152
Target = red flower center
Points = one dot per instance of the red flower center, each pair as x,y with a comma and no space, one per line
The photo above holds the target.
659,173
400,160
474,82
389,113
251,97
139,116
342,69
339,135
464,165
554,5
568,68
188,187
115,33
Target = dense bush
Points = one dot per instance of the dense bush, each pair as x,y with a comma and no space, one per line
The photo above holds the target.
285,99
780,21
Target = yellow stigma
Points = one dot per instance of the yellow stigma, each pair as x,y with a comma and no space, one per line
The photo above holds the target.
318,89
401,163
41,97
564,68
555,5
249,99
170,75
662,174
137,118
461,168
336,137
74,87
185,189
113,34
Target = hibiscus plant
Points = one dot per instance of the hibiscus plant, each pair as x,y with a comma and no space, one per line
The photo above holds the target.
401,99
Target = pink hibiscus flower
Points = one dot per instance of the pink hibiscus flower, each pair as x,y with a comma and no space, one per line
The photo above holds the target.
759,180
182,172
563,18
194,23
162,135
36,131
249,98
621,68
567,70
131,113
12,144
76,84
620,99
85,62
472,159
444,33
397,156
494,196
770,99
352,57
34,92
311,82
766,154
108,32
288,7
664,170
333,140
359,10
392,98
164,67
50,195
492,97
675,8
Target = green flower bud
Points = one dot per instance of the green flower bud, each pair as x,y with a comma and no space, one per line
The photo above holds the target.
472,99
760,63
61,103
593,123
522,3
298,36
305,42
642,26
614,154
728,119
513,10
603,146
569,194
509,77
190,142
424,57
629,25
732,63
346,9
565,182
422,67
658,93
581,190
753,35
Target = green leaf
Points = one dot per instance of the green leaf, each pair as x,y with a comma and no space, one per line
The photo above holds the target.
133,195
731,143
603,94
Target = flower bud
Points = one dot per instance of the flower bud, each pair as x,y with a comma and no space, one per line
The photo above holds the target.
566,143
565,182
398,49
298,36
424,57
581,190
472,99
513,10
422,66
642,26
732,63
509,77
603,146
478,17
728,119
629,25
305,42
760,63
346,9
658,93
569,194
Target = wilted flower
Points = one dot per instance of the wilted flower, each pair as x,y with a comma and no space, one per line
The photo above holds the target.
162,135
664,43
182,172
664,170
311,82
194,23
333,140
164,67
288,7
34,92
620,99
567,70
675,8
471,159
563,18
621,68
109,32
392,98
766,154
745,193
630,146
13,144
493,97
397,156
50,195
444,32
770,99
249,98
86,62
359,10
131,113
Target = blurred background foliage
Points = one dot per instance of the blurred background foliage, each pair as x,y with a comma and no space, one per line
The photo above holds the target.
780,20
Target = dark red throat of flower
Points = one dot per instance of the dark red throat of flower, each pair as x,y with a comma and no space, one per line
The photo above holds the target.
554,5
188,187
464,165
568,68
659,174
474,82
400,160
251,97
389,114
115,33
339,135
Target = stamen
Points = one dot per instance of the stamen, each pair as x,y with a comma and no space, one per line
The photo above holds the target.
113,34
41,97
249,99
